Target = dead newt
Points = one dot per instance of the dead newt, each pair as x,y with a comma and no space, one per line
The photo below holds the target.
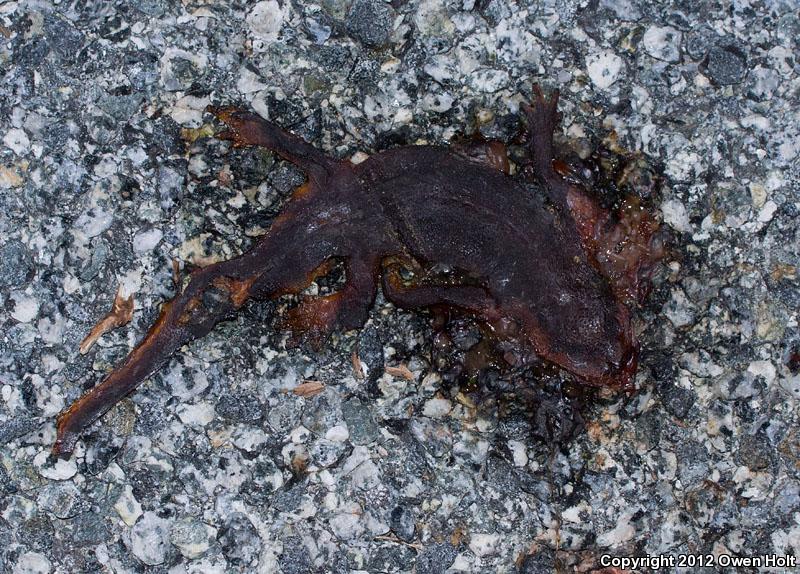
539,260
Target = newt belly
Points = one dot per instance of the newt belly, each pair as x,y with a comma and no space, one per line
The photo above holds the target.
536,258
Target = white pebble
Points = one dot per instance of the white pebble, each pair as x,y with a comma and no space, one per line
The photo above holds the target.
26,308
266,20
146,240
199,414
622,532
339,433
766,213
189,110
675,215
519,451
59,469
150,539
32,563
663,43
763,369
249,82
17,140
94,222
484,544
128,507
487,80
347,526
603,68
437,408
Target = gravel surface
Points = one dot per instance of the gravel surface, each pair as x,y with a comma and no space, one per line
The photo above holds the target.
107,175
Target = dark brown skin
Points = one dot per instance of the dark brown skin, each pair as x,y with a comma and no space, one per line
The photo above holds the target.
537,259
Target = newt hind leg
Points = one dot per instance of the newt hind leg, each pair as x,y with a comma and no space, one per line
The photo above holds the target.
470,298
315,318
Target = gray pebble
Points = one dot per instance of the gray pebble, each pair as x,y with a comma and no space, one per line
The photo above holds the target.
677,400
325,453
15,428
401,520
542,562
436,558
63,499
295,558
190,537
240,542
86,529
754,452
692,463
16,264
360,423
239,409
370,22
726,65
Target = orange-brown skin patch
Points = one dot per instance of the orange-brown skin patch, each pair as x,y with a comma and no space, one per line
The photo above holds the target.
121,314
533,255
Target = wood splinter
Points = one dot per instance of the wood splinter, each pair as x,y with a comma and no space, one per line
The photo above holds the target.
121,314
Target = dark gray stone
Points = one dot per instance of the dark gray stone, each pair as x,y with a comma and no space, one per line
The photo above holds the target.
648,428
543,562
240,542
16,264
677,400
693,463
63,38
295,558
754,451
63,499
436,558
390,558
38,533
360,423
121,107
86,529
402,523
289,499
726,65
17,427
7,485
239,409
370,22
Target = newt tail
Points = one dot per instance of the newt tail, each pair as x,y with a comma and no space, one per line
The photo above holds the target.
210,297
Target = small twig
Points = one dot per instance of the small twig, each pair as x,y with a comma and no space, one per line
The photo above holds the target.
401,372
176,273
309,389
358,368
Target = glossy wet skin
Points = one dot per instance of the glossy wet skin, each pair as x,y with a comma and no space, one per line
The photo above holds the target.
536,257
